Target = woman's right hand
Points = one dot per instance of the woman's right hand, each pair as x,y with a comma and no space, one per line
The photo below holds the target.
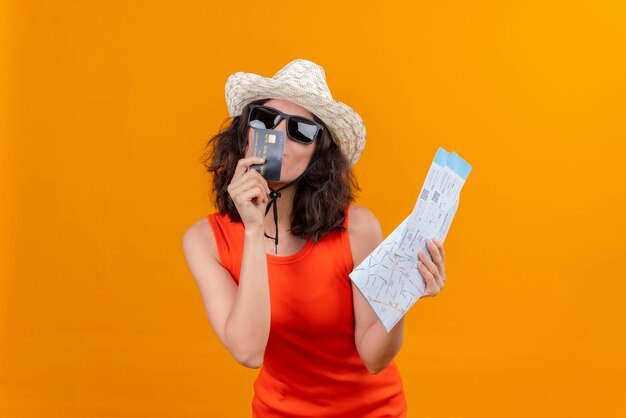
249,192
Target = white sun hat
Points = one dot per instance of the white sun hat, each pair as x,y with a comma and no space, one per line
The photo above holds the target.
302,82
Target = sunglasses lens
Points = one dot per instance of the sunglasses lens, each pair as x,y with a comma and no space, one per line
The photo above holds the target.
301,130
263,118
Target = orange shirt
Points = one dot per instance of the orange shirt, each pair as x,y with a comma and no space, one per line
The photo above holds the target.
311,366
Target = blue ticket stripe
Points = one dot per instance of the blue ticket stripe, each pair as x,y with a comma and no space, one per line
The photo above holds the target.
454,161
441,157
459,165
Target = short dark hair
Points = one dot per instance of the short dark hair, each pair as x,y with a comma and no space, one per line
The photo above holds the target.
322,195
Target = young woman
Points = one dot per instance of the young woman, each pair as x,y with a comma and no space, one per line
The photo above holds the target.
288,304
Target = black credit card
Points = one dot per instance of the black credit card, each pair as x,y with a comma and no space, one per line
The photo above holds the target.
269,144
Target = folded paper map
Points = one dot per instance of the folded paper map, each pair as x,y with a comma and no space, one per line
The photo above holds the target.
389,278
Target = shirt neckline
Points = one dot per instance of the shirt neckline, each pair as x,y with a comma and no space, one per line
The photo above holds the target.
291,258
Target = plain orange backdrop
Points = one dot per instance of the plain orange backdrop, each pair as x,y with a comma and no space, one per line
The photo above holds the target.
108,104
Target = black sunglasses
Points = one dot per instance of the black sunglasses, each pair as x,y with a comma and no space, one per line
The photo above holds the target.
298,128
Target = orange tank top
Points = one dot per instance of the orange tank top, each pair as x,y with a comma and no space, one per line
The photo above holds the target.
311,366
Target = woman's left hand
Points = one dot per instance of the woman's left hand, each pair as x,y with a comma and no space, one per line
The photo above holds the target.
432,271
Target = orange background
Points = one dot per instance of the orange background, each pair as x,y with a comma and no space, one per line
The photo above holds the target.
106,109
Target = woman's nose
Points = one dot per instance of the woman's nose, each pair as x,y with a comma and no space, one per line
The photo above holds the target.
282,126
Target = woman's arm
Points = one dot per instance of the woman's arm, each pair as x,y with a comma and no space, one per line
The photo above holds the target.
239,315
375,345
248,325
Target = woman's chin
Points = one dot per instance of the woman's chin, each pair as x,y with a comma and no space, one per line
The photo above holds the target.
276,184
284,179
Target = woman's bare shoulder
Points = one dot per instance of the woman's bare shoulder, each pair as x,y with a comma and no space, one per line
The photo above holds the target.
200,235
361,220
364,231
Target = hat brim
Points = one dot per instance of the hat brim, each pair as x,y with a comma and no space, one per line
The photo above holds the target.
345,124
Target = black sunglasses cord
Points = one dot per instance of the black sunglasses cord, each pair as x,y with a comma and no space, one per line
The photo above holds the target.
276,194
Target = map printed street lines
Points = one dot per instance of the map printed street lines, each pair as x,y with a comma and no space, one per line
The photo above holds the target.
389,278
